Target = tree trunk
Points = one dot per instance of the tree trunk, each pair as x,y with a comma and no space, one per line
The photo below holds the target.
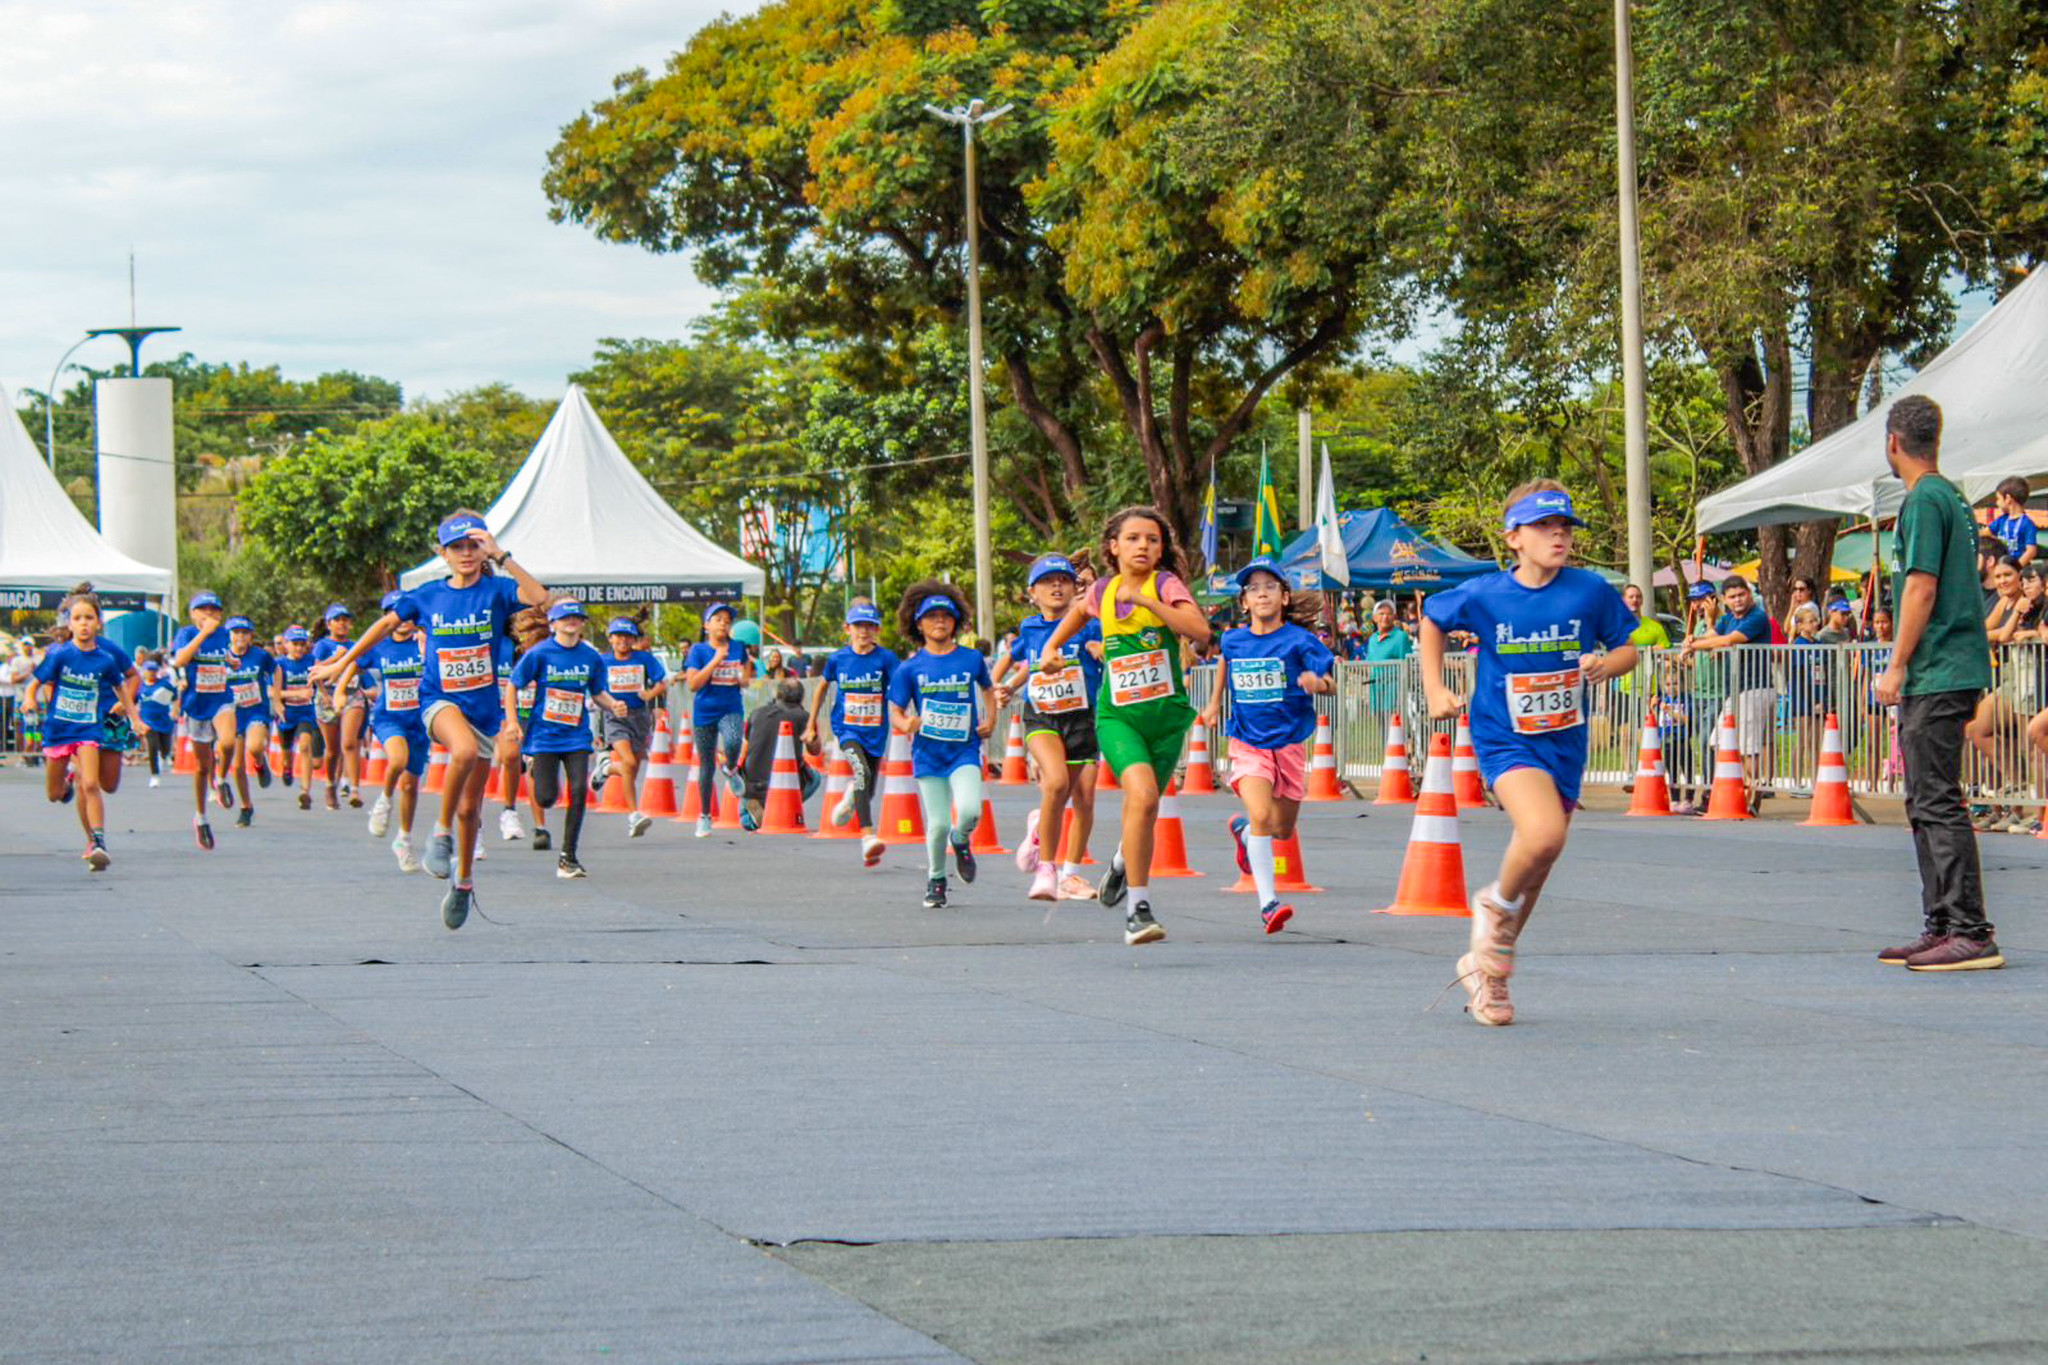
1756,389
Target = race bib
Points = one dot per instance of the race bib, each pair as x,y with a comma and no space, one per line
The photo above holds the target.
1257,681
1140,677
561,706
1055,694
402,694
210,677
78,706
947,722
525,697
728,673
299,695
625,680
863,710
1539,703
247,694
465,668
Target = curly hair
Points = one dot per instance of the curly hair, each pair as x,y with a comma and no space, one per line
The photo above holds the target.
1171,559
906,610
531,626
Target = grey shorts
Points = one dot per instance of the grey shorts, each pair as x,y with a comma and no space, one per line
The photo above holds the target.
636,728
435,708
201,731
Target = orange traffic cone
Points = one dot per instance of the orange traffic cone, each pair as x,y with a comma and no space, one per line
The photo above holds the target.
376,765
1433,873
181,758
1288,873
1201,775
1322,768
1397,784
1730,798
902,818
617,797
277,755
985,838
1466,784
437,769
658,788
1067,841
1105,778
1653,793
1831,782
689,804
1169,839
783,811
1015,771
838,777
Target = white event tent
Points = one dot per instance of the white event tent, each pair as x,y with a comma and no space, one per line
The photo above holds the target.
1992,385
47,547
582,519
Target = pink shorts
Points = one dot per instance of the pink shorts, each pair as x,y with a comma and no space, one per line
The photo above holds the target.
1285,769
60,753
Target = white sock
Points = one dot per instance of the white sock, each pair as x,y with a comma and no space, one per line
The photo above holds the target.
441,828
1138,896
1513,907
1259,848
1070,869
1116,859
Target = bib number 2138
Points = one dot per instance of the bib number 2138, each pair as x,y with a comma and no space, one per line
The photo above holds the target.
1539,703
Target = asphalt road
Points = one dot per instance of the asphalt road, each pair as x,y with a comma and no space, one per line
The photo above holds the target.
738,1100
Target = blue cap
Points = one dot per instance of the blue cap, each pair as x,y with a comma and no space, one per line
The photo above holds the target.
938,601
623,625
1698,591
1838,604
461,526
203,599
390,599
863,614
294,634
338,611
1262,564
563,610
1537,506
717,607
240,623
1046,565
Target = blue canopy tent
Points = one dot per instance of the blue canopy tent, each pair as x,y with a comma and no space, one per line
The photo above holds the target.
1386,554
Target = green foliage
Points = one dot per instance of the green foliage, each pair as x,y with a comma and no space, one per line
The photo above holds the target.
272,589
495,420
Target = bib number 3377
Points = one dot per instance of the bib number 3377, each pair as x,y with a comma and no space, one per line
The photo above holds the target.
1539,703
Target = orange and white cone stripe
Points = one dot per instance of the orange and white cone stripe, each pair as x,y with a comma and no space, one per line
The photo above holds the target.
1015,771
902,818
689,804
1831,805
1201,776
783,811
1653,790
1730,797
1322,767
1433,872
658,788
1169,838
838,777
1397,783
1466,784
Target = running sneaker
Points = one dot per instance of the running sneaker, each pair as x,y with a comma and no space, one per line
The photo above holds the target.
202,833
509,828
637,825
244,818
155,781
333,802
1899,956
1239,824
963,859
70,790
456,905
1140,927
568,869
842,809
1076,888
1956,953
224,790
262,774
1027,852
1494,932
871,851
1045,883
441,855
1486,996
96,856
1111,892
305,800
1274,916
703,827
600,772
935,894
479,855
401,849
286,775
542,840
748,822
380,816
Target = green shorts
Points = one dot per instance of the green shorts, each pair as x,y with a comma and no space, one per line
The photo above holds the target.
1151,737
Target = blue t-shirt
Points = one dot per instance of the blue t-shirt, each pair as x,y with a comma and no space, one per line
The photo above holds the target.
206,674
624,678
460,629
722,694
564,680
295,690
860,708
249,680
1029,644
940,688
1526,700
394,667
2018,533
86,681
1755,626
154,702
1268,709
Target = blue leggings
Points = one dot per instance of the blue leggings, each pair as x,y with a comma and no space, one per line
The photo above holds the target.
709,738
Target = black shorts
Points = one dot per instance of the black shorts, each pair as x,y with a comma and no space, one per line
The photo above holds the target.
288,735
1074,729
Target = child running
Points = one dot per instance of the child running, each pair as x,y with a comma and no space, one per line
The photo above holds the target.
715,670
1537,625
1143,714
461,618
943,698
1059,730
201,650
81,684
298,720
858,677
250,667
394,667
340,712
1273,669
567,675
634,676
505,755
154,707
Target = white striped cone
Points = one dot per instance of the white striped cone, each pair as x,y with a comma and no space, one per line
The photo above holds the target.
1322,768
1653,793
902,815
1201,777
783,811
1466,784
1831,805
1397,782
1015,770
1730,797
1433,872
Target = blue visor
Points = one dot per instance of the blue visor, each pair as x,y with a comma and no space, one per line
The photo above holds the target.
717,607
863,615
1699,591
1839,604
1047,565
296,634
563,610
1537,506
339,612
1263,564
203,599
461,526
937,602
390,599
240,623
623,625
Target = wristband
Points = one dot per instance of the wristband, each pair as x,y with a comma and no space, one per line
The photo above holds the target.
502,556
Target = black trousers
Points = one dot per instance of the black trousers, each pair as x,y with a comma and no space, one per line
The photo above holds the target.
1951,880
863,764
548,772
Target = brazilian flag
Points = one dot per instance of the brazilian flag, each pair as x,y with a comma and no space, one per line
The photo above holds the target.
1267,538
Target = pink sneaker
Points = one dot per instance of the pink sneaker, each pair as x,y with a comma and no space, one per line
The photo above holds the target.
1494,932
1045,883
1076,888
1027,849
1486,996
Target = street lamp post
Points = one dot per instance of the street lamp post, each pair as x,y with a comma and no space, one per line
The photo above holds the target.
968,119
1635,402
50,402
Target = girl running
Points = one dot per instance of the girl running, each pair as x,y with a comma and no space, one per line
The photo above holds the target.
250,667
634,676
298,721
1059,730
394,667
505,755
567,676
1143,714
943,698
858,677
82,683
461,619
1274,669
340,713
1537,626
715,670
201,650
154,709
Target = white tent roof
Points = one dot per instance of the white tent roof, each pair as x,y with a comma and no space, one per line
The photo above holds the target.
578,514
45,541
1992,385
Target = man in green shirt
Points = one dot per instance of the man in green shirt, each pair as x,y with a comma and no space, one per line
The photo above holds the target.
1940,666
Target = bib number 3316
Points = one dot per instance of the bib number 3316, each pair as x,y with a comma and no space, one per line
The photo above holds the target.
1539,703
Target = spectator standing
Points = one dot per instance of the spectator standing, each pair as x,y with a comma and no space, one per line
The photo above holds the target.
1744,622
1386,646
1940,666
2013,527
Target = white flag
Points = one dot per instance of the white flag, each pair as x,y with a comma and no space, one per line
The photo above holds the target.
1329,532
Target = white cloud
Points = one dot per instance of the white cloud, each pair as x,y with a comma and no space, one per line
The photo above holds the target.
344,185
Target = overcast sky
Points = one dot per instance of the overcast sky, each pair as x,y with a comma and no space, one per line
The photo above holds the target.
346,185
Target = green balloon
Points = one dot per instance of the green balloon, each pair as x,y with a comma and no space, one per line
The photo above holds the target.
748,633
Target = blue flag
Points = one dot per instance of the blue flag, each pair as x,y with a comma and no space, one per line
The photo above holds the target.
1209,520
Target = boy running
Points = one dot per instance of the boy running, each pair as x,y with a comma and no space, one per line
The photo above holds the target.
858,677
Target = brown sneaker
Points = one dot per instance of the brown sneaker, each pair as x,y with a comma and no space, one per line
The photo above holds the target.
1897,956
1957,954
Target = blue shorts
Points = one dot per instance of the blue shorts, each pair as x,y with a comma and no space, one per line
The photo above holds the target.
1562,756
416,742
246,716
